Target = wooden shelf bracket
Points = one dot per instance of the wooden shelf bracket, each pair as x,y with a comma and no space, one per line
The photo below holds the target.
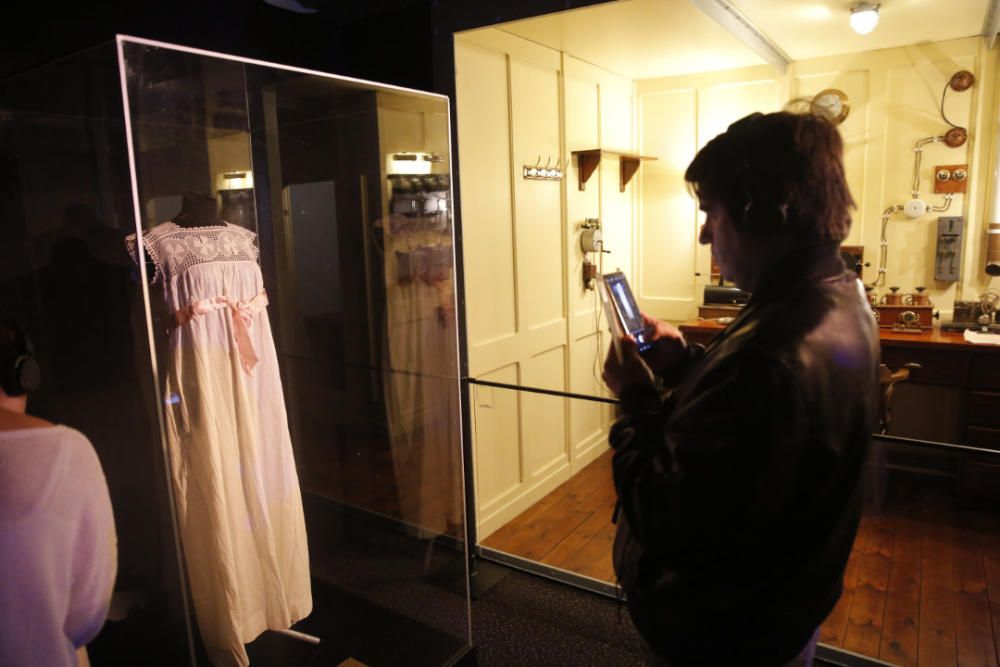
590,159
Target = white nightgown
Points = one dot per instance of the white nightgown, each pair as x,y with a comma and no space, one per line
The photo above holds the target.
234,479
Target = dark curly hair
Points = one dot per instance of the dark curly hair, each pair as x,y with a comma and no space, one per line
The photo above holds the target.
777,174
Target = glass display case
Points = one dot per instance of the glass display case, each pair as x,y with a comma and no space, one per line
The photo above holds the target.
240,281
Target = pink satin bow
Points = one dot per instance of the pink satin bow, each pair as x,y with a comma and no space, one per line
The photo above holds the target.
243,314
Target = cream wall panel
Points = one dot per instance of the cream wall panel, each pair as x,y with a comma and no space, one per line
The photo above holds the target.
552,104
904,87
616,217
583,123
488,237
727,103
707,80
587,114
496,438
616,116
984,169
668,234
894,97
538,213
582,129
597,112
518,48
589,348
859,137
913,96
617,206
587,419
544,417
526,242
677,116
503,351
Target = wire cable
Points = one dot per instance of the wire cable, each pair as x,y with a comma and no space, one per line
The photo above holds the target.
943,93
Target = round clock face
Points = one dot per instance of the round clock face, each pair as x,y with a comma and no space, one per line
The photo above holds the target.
831,103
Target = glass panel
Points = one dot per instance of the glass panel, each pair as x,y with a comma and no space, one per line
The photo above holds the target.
302,301
565,521
64,274
924,571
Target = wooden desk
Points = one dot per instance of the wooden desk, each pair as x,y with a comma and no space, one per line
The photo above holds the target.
942,359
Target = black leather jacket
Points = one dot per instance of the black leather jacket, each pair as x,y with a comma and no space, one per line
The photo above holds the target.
740,494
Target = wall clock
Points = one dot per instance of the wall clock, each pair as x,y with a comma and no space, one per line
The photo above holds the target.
831,104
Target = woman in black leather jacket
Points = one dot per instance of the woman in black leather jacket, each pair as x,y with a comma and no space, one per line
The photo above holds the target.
740,492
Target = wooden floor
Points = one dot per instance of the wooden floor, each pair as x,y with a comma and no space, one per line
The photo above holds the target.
570,528
922,586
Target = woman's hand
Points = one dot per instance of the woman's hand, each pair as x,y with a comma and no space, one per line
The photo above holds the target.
667,344
630,370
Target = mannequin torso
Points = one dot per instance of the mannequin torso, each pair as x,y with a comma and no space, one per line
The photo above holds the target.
198,210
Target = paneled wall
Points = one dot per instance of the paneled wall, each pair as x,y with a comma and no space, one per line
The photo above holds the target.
677,116
894,95
598,111
530,320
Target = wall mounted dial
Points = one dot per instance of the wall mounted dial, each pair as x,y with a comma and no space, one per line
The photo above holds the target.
832,104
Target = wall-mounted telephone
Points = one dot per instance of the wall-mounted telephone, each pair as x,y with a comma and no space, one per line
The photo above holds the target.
591,242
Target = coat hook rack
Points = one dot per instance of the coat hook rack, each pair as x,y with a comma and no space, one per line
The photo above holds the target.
537,172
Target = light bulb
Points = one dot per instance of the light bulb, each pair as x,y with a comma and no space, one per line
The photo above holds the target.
864,18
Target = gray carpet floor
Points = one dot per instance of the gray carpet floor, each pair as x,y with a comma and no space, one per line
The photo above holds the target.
528,621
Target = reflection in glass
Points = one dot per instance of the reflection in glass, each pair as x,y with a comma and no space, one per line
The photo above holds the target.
65,209
282,280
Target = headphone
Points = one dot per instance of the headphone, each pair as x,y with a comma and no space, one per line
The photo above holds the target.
762,214
20,373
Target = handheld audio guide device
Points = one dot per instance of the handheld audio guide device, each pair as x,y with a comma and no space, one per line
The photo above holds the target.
622,311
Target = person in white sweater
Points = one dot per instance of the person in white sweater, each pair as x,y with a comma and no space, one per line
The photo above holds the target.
58,548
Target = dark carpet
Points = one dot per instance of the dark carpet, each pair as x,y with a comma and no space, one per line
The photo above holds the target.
525,620
528,620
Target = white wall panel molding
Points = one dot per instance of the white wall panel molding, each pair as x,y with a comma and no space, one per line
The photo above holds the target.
518,48
515,349
483,121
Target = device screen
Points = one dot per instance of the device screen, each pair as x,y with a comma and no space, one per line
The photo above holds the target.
628,309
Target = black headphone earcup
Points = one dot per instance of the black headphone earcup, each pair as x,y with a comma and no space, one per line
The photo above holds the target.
21,376
29,374
19,373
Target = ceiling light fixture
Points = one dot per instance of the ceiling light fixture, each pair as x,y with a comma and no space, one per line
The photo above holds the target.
864,17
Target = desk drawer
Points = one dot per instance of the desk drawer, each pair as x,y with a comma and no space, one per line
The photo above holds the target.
937,366
980,476
985,372
984,409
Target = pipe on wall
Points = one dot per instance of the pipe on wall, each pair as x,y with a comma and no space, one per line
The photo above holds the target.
993,228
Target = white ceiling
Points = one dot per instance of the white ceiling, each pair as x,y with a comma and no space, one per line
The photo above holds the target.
645,39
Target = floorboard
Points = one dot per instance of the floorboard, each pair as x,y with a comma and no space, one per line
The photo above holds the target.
921,588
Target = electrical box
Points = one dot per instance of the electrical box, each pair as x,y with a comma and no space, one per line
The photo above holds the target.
948,258
951,178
